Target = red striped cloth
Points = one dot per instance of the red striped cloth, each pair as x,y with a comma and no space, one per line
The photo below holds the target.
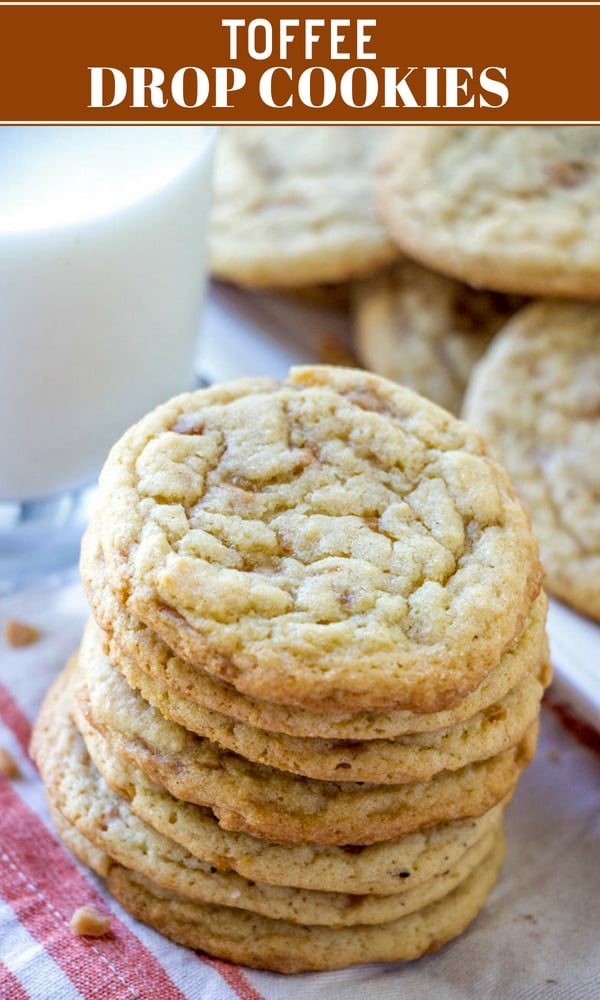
536,937
42,884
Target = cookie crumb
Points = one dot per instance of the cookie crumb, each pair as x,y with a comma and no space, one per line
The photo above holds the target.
8,765
87,922
18,633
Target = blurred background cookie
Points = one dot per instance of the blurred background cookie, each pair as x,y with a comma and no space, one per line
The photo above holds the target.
425,330
512,208
536,398
293,205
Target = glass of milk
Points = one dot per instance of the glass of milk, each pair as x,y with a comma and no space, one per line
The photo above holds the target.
102,276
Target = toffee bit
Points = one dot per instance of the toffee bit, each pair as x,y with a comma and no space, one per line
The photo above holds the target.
18,633
188,423
87,922
8,765
568,173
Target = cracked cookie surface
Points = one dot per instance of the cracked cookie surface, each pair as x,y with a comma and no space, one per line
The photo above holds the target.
512,208
536,398
333,541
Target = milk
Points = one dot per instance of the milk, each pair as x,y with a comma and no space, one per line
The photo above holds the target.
102,275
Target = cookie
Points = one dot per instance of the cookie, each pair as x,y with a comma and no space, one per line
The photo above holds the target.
131,645
281,946
266,802
293,205
381,868
92,856
536,398
408,758
425,330
510,208
333,541
76,791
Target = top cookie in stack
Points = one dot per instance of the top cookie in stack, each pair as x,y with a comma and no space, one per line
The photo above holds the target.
331,542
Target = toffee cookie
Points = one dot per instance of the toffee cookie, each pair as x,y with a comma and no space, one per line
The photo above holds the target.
536,398
293,205
333,541
425,330
281,946
273,804
382,868
127,842
78,794
132,646
511,208
412,757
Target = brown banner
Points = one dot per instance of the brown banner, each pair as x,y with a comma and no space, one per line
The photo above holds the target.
294,62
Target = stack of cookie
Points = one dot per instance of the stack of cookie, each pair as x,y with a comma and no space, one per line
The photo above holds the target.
312,677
